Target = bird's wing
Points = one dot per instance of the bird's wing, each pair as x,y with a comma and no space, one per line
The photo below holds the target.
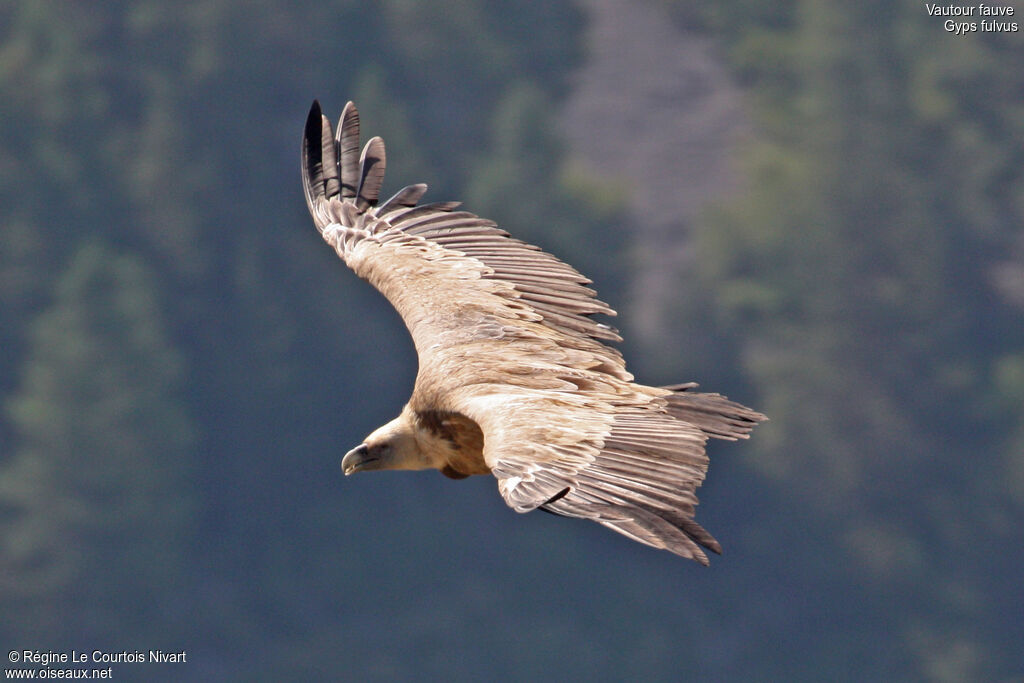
456,279
504,336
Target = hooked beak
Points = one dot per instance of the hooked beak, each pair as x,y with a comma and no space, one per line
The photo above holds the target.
358,458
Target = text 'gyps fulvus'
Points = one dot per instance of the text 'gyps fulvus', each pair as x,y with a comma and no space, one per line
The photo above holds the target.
515,379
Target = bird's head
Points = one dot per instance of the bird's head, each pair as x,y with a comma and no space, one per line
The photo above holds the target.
391,447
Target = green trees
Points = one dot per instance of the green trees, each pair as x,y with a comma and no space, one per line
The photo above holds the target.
182,362
522,182
172,133
861,262
856,277
96,503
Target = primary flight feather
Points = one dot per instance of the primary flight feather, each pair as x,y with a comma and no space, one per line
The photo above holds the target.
515,377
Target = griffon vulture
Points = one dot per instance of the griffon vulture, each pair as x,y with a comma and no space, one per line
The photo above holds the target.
515,378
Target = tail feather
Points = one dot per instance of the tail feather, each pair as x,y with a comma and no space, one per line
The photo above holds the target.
713,414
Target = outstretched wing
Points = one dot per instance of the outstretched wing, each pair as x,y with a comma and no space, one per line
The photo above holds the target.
504,336
453,261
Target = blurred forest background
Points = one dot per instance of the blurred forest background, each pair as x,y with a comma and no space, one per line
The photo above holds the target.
813,206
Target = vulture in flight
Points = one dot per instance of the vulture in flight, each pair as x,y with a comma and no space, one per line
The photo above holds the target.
515,377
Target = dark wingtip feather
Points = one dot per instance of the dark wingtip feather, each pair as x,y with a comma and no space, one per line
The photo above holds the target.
371,176
404,198
348,149
329,160
312,156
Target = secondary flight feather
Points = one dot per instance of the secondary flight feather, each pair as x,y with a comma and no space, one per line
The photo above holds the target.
516,379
